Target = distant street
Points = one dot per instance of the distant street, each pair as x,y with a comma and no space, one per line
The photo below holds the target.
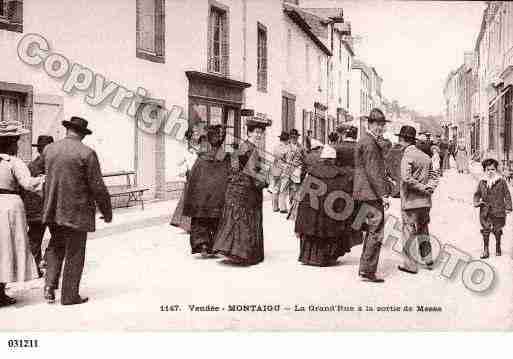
131,274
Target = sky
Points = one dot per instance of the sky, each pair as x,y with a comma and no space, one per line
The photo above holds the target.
412,44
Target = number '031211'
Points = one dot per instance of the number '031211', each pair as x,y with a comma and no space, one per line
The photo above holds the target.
22,343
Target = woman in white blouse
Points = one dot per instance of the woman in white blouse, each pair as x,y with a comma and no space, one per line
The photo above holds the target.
16,261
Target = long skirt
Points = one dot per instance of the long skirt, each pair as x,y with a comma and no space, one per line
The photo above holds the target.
178,219
16,261
241,234
446,163
462,161
321,252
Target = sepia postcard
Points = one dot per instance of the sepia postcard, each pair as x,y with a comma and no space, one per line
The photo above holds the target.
255,165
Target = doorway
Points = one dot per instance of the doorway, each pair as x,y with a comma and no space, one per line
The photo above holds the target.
203,113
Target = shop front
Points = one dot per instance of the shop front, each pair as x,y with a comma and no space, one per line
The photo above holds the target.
215,100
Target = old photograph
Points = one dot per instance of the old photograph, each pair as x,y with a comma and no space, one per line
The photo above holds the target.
255,165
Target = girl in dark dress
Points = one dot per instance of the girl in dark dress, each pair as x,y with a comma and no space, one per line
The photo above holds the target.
325,235
240,236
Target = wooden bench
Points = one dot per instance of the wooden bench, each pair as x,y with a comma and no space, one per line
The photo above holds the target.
134,193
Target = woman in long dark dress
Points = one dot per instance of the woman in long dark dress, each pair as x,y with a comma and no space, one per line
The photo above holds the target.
241,234
324,230
205,195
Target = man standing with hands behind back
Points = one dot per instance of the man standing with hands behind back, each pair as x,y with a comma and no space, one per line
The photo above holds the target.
74,187
370,189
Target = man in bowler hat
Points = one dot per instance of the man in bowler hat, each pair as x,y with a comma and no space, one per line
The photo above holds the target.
34,206
417,186
74,188
370,190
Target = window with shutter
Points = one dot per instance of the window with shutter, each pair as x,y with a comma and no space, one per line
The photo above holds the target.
218,49
150,30
262,58
11,15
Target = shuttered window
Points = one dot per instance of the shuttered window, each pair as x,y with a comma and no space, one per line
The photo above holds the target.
150,28
262,58
218,50
288,112
11,15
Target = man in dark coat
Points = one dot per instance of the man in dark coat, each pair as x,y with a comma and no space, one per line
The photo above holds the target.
34,206
393,166
345,151
370,189
74,187
205,196
444,155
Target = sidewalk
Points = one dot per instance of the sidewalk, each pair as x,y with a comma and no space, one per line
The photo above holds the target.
128,219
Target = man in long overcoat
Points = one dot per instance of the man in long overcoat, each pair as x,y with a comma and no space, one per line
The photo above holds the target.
74,188
370,189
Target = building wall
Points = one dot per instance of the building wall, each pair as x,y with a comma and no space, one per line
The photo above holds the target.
268,13
305,70
108,47
356,89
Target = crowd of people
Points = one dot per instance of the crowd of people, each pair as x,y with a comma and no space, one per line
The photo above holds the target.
337,193
223,194
59,190
326,189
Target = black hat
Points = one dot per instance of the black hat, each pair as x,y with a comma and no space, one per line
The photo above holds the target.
43,140
284,136
408,132
294,133
376,115
333,137
78,124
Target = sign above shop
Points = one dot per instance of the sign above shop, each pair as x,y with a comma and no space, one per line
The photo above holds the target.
247,112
